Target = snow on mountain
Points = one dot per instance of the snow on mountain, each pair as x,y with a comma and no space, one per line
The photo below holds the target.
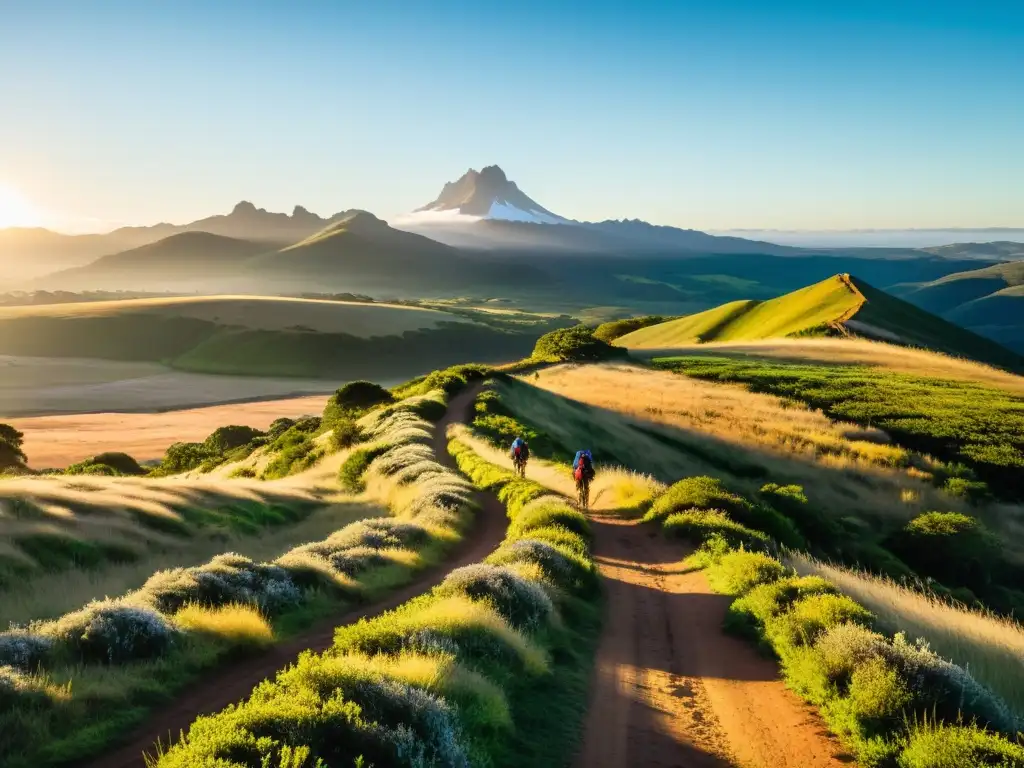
486,194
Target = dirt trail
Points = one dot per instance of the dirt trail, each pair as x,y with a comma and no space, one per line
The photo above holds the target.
669,687
233,682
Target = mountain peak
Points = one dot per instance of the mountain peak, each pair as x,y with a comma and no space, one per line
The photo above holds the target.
244,207
489,194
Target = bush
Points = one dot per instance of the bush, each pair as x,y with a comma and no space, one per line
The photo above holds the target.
227,578
350,475
109,463
614,329
345,433
355,397
279,426
809,616
11,454
522,603
766,601
740,571
948,546
697,525
702,493
111,632
224,439
941,745
183,457
23,650
820,529
575,344
19,691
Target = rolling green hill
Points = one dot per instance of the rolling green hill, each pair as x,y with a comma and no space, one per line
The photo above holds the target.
266,336
840,305
989,301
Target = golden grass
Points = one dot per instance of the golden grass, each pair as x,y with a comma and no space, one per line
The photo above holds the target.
43,595
603,407
235,624
728,411
441,675
989,647
919,362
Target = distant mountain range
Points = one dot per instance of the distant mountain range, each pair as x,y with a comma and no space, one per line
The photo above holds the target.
483,235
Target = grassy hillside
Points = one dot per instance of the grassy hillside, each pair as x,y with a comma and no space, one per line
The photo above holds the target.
266,336
840,305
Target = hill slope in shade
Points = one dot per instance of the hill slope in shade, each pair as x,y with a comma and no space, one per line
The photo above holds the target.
840,305
260,336
184,257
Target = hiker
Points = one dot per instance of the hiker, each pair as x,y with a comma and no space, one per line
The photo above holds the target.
520,452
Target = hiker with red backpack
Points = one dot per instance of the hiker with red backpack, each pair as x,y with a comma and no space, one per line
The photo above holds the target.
583,474
520,455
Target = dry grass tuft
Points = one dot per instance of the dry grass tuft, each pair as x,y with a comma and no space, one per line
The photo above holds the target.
235,624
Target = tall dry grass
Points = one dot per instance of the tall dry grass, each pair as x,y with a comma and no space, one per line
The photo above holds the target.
47,595
729,412
989,647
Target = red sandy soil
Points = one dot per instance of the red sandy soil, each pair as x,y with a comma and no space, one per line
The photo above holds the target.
669,687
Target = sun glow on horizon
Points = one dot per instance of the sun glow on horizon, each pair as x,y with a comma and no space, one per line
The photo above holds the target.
16,210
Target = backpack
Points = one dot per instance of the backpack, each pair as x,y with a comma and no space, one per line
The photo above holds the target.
517,450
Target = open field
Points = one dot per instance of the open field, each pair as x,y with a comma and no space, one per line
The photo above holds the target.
38,386
266,313
57,441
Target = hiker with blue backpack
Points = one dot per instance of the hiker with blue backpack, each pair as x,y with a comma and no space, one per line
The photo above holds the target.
583,473
520,453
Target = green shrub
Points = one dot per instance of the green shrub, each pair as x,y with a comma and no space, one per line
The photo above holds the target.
740,571
941,745
765,601
109,463
811,615
521,602
350,475
702,493
576,344
279,426
951,547
345,433
613,329
224,439
11,454
183,457
697,525
356,397
110,632
817,527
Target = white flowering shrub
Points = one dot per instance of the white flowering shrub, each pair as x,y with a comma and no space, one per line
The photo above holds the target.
112,633
522,603
227,578
423,727
401,456
555,564
431,643
23,649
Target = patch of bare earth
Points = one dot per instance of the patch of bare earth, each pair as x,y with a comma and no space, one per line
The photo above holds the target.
57,441
670,688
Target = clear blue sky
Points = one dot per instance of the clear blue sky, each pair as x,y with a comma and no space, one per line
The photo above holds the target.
711,115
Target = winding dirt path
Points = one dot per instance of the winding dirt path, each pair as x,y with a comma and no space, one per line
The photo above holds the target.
670,688
233,682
